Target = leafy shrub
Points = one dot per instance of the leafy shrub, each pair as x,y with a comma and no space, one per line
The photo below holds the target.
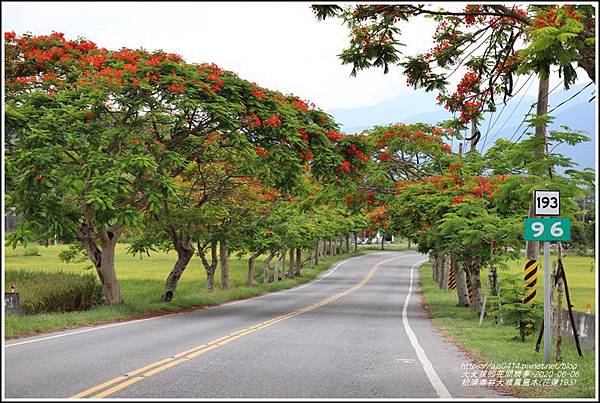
43,292
27,251
511,309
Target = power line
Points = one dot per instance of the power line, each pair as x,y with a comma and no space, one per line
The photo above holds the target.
562,103
513,112
525,117
502,110
570,98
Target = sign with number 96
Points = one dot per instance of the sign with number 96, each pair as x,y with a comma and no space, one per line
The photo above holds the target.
547,229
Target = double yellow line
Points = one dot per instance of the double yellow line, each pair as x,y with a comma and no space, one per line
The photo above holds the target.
121,382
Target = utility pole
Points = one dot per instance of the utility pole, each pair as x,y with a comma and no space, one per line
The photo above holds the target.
533,247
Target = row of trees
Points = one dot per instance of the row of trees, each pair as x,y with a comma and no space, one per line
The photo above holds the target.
467,210
104,143
194,159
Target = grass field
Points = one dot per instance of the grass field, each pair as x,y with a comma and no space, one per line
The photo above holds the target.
495,344
142,281
581,280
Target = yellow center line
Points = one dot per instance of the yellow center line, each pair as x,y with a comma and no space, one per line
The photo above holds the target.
123,381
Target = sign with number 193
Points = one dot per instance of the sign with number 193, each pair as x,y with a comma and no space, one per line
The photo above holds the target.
547,229
546,202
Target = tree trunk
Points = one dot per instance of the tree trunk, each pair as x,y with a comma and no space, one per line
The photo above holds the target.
250,275
266,268
224,255
409,244
461,284
587,54
445,272
292,263
276,270
111,287
86,237
475,277
185,251
439,270
315,256
211,267
382,241
355,242
283,262
558,317
298,261
331,247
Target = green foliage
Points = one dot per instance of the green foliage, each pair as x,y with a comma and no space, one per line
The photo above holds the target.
30,250
555,39
44,292
511,309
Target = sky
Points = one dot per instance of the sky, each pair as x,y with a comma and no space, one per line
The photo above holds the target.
280,46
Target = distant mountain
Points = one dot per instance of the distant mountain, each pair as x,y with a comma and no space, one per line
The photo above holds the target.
577,113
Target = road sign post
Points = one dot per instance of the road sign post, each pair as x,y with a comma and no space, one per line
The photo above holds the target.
547,303
547,203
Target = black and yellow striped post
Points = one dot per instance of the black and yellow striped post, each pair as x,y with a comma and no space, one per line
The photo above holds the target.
531,266
451,279
469,290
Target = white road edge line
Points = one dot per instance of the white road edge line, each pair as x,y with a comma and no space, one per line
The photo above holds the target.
85,330
434,378
6,345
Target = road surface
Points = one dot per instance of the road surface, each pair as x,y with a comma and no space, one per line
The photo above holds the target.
357,331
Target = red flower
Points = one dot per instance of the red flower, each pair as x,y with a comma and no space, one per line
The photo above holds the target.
272,121
383,156
301,105
261,151
306,156
130,67
40,178
176,88
335,136
134,140
253,121
258,93
458,199
344,167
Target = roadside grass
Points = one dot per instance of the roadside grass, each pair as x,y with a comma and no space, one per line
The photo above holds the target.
581,280
496,344
387,246
142,282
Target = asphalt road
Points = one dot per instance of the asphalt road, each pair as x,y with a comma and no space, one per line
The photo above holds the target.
358,331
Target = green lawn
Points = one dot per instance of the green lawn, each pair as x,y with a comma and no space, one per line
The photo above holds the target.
396,246
142,281
495,344
580,278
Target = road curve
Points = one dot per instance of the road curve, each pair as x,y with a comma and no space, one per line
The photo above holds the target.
358,331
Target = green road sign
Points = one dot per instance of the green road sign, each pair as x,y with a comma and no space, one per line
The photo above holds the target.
547,229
